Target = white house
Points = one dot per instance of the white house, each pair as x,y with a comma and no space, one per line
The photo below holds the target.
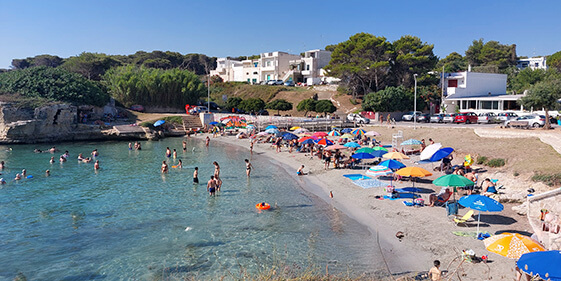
478,92
533,63
275,66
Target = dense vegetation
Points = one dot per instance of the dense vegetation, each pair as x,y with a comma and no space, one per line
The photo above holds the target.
54,84
152,86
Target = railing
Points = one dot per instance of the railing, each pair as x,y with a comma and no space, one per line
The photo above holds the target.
313,124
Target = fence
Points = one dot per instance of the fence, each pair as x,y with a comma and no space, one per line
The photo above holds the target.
313,124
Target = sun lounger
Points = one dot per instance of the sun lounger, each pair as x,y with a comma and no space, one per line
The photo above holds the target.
464,219
440,202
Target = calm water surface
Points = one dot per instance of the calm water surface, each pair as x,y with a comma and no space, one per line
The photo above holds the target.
128,221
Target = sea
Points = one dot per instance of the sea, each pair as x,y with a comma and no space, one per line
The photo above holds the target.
128,221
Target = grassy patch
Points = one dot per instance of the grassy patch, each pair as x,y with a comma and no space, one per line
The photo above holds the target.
481,160
173,119
20,101
549,179
495,163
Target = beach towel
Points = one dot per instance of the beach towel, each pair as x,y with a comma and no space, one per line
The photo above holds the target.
369,183
402,196
472,234
356,177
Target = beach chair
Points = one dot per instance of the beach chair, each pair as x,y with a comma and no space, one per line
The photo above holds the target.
440,202
464,219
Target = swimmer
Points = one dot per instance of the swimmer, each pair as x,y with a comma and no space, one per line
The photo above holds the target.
184,146
300,171
2,181
87,160
248,167
96,165
179,164
53,149
66,154
62,159
165,168
139,147
23,172
47,173
80,157
251,147
18,177
218,183
95,153
196,175
52,160
130,145
36,150
168,152
211,186
2,165
174,154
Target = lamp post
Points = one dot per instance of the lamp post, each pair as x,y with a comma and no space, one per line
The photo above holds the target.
415,104
208,94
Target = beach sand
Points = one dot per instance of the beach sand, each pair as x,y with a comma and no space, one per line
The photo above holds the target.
428,231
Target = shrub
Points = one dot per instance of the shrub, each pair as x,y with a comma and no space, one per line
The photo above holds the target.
482,160
516,174
497,162
353,101
147,124
173,119
549,179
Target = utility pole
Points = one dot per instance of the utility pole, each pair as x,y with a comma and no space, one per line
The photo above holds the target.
415,104
442,88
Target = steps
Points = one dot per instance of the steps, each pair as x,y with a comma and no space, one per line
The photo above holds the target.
191,121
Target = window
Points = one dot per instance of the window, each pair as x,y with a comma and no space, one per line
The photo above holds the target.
255,64
255,73
269,63
452,83
308,67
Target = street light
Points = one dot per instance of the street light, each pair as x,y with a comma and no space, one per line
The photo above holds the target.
208,94
415,104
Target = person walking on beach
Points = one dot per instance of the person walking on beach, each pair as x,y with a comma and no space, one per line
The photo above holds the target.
184,146
165,168
248,167
207,141
211,186
96,165
434,273
196,175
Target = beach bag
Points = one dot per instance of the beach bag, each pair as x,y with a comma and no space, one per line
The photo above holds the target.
390,189
451,208
419,202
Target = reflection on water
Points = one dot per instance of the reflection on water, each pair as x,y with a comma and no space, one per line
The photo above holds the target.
128,221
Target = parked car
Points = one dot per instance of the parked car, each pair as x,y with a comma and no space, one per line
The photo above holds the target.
137,107
488,117
271,82
465,117
535,121
505,116
409,115
289,83
198,109
425,117
352,117
437,118
449,118
213,105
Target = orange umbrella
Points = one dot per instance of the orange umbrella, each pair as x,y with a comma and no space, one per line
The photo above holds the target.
413,172
512,245
395,155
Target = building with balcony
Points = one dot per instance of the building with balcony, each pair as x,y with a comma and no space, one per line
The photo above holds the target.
533,63
309,69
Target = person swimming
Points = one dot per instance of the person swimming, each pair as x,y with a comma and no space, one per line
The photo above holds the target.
18,177
2,181
80,157
52,160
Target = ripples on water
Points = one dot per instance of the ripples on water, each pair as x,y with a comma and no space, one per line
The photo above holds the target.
128,221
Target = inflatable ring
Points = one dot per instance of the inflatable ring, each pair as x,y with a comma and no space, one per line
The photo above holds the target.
263,206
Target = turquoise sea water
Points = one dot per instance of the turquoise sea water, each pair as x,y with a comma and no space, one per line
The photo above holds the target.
128,221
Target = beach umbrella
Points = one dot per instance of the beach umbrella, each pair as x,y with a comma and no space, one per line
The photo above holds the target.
392,164
324,142
272,131
308,141
358,132
352,144
335,147
372,133
452,180
411,142
347,136
363,156
262,134
429,151
378,153
159,123
416,172
378,171
294,128
305,138
213,123
542,264
289,136
366,150
346,130
333,133
271,127
480,203
441,153
301,130
512,245
395,155
380,148
320,134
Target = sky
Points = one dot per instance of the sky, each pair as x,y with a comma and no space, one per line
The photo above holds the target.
237,27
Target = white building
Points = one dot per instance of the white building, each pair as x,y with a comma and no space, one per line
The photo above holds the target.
533,63
275,66
478,92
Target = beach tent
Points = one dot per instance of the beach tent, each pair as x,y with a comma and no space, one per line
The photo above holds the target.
429,151
480,203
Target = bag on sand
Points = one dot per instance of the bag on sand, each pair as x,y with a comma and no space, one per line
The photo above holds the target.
451,208
419,202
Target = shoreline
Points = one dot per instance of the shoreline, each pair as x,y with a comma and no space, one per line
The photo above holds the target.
428,232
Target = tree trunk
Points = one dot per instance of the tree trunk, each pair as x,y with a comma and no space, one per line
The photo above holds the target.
547,125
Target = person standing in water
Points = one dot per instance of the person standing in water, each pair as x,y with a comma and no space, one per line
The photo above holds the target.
216,169
251,147
130,145
2,165
174,153
95,153
184,146
168,152
196,175
96,165
165,168
179,164
52,160
248,167
211,186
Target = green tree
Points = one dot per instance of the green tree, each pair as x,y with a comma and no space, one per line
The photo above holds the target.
454,62
252,105
524,79
389,100
233,102
325,106
491,57
279,105
412,56
40,60
53,84
544,94
90,65
306,106
554,61
132,85
362,62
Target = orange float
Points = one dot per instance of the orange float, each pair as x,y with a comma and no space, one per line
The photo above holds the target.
263,206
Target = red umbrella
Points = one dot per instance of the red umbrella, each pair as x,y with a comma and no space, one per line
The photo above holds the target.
325,142
320,134
304,138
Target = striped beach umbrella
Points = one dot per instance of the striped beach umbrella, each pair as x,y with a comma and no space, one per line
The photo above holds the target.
358,132
378,171
347,136
333,133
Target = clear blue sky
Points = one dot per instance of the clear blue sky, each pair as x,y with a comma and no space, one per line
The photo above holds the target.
232,28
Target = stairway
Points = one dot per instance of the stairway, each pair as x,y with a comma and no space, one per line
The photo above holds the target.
191,121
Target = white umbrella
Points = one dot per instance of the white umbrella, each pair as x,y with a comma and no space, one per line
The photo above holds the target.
430,150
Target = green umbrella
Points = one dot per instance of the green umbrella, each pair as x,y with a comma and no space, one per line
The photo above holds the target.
366,150
452,180
380,148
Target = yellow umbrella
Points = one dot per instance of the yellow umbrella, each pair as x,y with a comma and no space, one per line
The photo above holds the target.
294,128
347,136
413,172
512,245
395,155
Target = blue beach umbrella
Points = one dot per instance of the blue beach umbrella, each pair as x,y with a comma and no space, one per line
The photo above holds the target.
333,133
159,123
392,164
271,127
441,153
542,264
378,153
290,136
346,130
213,123
411,142
275,132
480,203
358,132
363,155
250,127
308,141
352,144
325,142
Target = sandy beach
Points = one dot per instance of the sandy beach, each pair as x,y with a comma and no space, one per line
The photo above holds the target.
428,231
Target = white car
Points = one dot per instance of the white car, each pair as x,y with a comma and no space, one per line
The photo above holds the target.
505,116
535,121
409,115
352,117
